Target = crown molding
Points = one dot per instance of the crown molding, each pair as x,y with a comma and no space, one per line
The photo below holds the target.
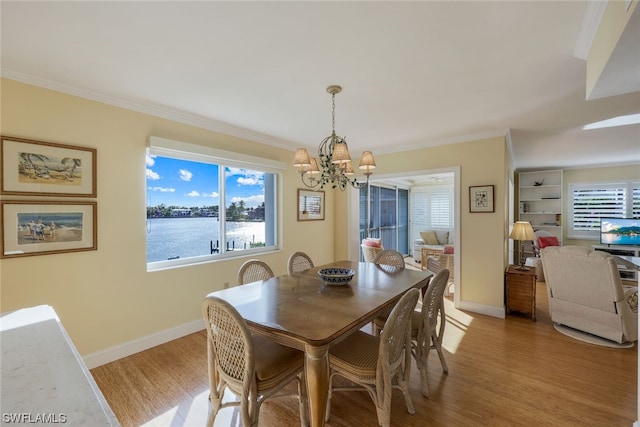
150,109
590,23
493,133
217,126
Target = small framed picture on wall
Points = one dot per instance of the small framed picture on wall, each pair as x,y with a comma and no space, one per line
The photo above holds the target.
481,199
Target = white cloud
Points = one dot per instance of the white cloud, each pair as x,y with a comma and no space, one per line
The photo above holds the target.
248,180
151,160
185,175
213,195
193,193
163,189
246,177
153,176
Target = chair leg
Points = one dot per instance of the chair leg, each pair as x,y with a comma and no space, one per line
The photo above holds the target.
327,412
438,347
404,386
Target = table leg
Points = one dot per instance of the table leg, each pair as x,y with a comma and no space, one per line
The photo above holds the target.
316,368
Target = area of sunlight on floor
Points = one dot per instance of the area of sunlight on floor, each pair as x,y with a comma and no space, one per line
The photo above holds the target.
457,324
194,412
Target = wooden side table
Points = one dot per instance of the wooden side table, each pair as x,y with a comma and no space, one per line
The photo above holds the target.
521,290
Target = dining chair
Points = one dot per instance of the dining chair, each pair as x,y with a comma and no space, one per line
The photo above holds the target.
369,253
253,270
299,261
425,333
390,261
254,368
377,364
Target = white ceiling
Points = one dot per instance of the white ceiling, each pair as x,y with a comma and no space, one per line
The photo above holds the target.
413,73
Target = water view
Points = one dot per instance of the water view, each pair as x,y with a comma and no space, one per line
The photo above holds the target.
168,238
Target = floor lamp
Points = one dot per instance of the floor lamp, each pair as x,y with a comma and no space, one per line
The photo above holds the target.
522,231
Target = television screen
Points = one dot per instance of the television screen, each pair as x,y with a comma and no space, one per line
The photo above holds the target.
620,231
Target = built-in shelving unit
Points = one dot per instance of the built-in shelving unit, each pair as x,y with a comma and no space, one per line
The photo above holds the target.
540,202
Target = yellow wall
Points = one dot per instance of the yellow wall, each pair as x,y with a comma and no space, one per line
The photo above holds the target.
483,235
106,298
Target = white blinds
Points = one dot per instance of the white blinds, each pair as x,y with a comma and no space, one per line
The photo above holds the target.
432,207
591,202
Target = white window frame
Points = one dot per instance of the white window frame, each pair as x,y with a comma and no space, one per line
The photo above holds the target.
629,204
199,153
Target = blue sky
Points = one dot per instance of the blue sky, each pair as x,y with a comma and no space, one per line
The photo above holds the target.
187,183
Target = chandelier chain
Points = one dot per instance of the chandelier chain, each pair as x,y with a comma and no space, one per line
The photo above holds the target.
333,165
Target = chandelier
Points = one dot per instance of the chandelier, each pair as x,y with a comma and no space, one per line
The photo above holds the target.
333,158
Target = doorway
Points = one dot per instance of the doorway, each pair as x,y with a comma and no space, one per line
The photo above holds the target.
407,180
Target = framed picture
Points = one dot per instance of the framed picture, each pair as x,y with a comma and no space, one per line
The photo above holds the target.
40,228
310,205
46,169
481,199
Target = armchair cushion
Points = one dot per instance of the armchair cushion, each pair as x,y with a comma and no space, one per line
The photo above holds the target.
370,241
544,241
429,237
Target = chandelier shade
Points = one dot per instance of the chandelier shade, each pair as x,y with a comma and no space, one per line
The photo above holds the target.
333,165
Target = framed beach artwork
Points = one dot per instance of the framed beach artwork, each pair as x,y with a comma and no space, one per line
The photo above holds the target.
40,168
481,199
310,205
41,228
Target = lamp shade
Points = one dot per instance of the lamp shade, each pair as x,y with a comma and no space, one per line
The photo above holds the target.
301,158
522,230
312,169
367,161
348,170
340,153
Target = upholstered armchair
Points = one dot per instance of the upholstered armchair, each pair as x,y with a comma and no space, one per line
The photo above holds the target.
434,239
586,293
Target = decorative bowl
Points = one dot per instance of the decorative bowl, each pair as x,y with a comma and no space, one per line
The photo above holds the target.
336,276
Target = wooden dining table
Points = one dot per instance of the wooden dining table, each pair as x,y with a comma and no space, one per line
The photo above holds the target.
301,311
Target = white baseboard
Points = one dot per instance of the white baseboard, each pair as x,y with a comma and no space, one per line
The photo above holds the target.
127,349
488,310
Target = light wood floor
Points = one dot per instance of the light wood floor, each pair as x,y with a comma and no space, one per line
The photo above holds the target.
502,372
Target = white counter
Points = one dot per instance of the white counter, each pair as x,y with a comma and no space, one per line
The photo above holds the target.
44,380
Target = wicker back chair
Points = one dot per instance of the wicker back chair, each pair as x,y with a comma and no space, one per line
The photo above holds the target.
254,368
299,261
425,333
390,261
442,262
378,364
254,270
370,252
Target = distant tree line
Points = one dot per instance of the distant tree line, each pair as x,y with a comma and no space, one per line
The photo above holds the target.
236,212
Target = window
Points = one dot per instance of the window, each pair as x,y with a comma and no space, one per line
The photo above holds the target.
388,218
186,221
590,202
432,207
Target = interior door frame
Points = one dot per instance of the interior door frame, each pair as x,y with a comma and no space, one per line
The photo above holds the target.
353,225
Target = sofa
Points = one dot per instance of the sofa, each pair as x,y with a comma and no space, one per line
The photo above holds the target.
434,239
586,293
